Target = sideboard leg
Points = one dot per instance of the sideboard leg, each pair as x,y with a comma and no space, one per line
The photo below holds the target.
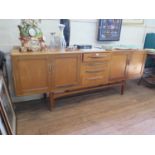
52,101
140,81
122,89
45,96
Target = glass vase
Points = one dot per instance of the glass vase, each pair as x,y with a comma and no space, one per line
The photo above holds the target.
53,42
62,42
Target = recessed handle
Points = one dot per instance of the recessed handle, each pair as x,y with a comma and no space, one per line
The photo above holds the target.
95,64
66,85
95,78
97,57
94,71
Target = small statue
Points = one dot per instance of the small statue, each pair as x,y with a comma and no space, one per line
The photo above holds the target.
31,36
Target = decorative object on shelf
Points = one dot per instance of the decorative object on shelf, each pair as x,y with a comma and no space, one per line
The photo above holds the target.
84,46
6,108
31,36
60,42
66,22
109,29
52,42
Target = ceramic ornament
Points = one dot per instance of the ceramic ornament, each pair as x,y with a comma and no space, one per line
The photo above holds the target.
31,36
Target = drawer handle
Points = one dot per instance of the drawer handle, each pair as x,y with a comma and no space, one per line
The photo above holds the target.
95,71
95,78
97,57
67,85
95,64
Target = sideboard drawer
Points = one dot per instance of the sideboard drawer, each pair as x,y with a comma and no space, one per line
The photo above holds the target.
95,80
95,65
96,57
95,77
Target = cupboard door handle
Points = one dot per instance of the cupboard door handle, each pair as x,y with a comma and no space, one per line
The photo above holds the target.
50,67
128,62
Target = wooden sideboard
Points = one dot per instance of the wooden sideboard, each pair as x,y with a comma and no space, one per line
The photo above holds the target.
62,73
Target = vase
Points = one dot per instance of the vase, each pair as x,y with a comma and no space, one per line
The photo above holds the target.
62,42
66,22
53,42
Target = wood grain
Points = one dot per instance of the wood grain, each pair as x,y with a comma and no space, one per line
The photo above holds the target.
35,74
31,74
100,112
66,71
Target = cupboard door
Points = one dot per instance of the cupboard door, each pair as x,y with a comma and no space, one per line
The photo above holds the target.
31,74
135,64
118,67
66,71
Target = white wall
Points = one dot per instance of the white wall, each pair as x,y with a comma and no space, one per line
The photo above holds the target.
82,32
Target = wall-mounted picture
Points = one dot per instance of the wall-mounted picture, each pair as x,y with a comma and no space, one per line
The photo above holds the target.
7,108
133,21
109,29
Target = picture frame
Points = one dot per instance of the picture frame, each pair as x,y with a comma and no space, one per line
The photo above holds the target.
7,110
133,21
109,29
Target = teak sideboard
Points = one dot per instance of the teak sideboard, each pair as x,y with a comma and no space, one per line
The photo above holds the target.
61,73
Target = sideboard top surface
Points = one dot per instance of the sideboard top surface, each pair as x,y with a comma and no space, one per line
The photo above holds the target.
16,51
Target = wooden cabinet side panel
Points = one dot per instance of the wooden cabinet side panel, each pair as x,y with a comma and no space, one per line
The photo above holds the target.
15,76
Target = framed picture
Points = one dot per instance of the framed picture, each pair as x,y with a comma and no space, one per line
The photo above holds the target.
109,29
6,107
133,21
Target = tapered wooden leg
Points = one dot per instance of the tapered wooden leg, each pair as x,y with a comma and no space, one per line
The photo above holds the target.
45,96
140,80
122,89
52,101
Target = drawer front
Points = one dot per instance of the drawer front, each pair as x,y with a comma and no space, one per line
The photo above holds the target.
95,57
95,77
94,73
96,65
95,81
